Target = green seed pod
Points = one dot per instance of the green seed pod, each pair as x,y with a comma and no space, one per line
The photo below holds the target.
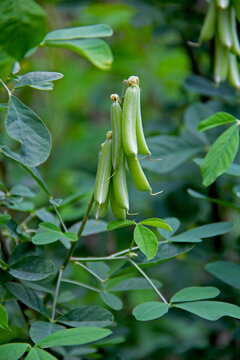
233,25
236,5
224,29
137,174
116,119
101,210
221,61
129,136
118,212
233,72
223,4
119,183
209,24
141,142
104,171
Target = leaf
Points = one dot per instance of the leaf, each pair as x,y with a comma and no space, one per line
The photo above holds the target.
22,26
146,240
217,119
158,223
91,227
39,354
40,329
111,300
3,318
193,114
37,78
100,268
55,202
134,284
46,237
211,310
70,337
70,236
87,316
174,223
225,271
4,219
23,125
21,251
220,156
32,268
49,227
27,297
96,51
98,30
116,224
20,190
13,351
150,310
195,293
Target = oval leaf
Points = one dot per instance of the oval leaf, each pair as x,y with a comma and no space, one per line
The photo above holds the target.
13,351
116,224
40,329
32,268
150,310
195,293
39,354
158,223
220,118
225,271
37,78
111,300
45,237
3,318
146,240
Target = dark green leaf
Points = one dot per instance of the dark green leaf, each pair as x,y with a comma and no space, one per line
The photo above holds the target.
225,271
150,310
111,300
211,310
3,318
49,227
134,284
32,268
21,251
220,156
39,354
78,336
116,224
220,118
158,223
37,78
174,223
146,240
87,316
27,297
40,329
91,227
4,219
13,351
195,293
100,268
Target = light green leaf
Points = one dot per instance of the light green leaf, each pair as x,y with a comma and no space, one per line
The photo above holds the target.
70,236
46,237
146,240
39,354
87,316
78,32
150,310
211,310
225,271
32,268
27,297
70,337
195,293
13,351
220,156
158,223
111,300
40,329
49,227
134,284
20,190
23,125
116,224
3,318
4,219
217,119
22,26
37,78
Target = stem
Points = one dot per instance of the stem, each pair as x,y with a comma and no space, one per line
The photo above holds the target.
5,87
80,284
149,280
133,248
60,218
106,258
56,293
90,271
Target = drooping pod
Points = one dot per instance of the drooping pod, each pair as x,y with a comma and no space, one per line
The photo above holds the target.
221,61
118,212
223,4
209,24
233,72
116,120
141,141
103,171
101,210
137,174
233,26
224,29
129,136
119,184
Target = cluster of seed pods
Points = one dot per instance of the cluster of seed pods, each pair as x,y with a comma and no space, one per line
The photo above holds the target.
221,24
122,145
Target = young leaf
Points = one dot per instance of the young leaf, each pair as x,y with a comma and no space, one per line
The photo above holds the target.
39,354
225,271
13,351
116,224
37,78
77,336
150,310
3,318
27,297
158,223
211,310
87,316
195,293
4,219
220,118
111,300
23,125
40,329
146,240
32,268
220,156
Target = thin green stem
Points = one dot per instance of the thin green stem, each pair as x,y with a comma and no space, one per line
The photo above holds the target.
81,284
56,293
149,280
106,258
60,218
5,87
90,271
134,248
